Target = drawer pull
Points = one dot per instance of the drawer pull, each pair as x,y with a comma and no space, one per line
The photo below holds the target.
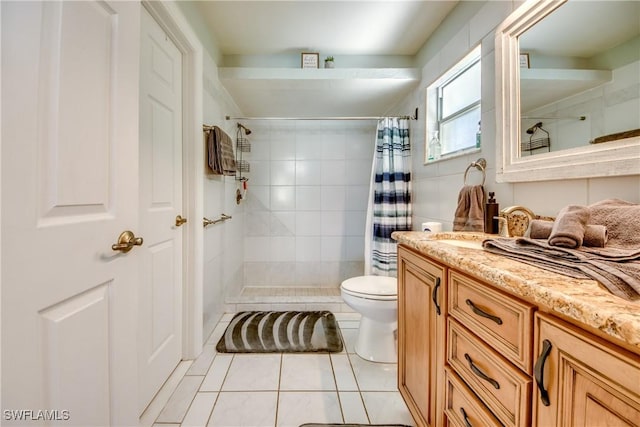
538,372
481,313
434,296
481,374
465,418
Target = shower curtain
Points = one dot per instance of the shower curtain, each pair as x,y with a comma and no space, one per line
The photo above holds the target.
389,197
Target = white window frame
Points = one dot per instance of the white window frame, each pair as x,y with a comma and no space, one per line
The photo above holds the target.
433,99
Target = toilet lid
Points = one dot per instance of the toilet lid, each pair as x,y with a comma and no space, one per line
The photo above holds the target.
372,285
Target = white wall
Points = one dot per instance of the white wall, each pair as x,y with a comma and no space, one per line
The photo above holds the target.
223,245
436,186
306,202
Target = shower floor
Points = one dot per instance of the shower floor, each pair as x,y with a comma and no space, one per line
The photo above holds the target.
287,298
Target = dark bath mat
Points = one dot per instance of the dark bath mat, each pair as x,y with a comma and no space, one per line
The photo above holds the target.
281,332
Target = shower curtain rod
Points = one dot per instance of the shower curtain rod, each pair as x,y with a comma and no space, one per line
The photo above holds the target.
414,117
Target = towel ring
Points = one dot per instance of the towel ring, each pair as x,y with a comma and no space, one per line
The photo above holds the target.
479,164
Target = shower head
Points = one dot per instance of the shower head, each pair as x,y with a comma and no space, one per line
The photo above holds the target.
247,131
533,128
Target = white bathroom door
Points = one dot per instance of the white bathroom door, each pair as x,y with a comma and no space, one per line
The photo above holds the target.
69,189
160,313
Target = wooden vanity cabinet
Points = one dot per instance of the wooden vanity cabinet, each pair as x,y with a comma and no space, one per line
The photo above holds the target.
582,380
470,353
421,336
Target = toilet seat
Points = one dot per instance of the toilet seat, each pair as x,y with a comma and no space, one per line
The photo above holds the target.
371,287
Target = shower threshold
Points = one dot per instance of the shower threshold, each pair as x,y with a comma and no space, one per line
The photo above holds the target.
288,298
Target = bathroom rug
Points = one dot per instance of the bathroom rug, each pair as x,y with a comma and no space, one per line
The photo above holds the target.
281,332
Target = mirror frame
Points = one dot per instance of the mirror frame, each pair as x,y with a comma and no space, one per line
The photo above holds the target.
614,158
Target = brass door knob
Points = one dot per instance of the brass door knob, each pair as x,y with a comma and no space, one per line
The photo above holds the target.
126,241
180,220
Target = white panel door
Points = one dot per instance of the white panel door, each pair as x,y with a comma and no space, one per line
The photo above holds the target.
69,188
160,314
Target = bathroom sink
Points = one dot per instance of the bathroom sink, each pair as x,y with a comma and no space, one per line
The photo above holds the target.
471,244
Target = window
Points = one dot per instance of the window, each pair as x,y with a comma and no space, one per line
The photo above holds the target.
454,108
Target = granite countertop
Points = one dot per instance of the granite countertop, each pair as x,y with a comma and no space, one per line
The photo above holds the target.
585,301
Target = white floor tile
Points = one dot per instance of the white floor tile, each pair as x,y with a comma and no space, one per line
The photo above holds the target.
217,372
175,410
345,381
162,397
253,372
200,366
353,407
296,408
306,372
217,333
387,408
166,425
240,409
200,410
349,337
373,376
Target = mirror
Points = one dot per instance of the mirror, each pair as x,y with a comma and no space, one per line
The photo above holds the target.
568,74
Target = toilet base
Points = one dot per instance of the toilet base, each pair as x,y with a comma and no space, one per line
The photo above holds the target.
377,341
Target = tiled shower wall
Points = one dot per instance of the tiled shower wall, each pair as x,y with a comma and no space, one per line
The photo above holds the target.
306,202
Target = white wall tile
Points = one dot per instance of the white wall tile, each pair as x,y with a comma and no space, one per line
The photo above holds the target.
283,198
307,198
332,248
283,223
622,187
333,172
333,197
357,197
283,172
333,223
307,248
308,223
308,172
283,249
283,149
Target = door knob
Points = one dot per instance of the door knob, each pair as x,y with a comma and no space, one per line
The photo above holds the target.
126,241
180,220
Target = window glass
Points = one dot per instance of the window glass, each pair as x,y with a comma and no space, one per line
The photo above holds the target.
453,109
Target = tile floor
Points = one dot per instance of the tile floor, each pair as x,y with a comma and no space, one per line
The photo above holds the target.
227,390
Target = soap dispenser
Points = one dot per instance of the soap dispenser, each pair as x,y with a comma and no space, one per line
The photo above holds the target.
491,212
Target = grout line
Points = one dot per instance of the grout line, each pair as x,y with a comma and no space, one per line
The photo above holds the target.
335,381
275,422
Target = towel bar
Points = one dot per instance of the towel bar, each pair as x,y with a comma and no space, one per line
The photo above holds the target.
223,217
481,165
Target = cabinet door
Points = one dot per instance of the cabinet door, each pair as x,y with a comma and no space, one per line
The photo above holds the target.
582,380
421,336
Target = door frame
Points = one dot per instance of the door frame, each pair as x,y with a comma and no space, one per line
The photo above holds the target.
173,22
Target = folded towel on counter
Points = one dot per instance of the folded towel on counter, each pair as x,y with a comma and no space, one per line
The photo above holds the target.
595,235
569,226
221,159
469,215
616,265
620,275
622,220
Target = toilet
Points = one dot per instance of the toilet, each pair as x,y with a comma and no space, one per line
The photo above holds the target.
376,299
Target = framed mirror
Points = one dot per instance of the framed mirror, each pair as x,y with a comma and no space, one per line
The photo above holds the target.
568,91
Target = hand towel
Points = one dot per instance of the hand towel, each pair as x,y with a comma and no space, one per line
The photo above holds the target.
469,215
568,228
221,158
595,235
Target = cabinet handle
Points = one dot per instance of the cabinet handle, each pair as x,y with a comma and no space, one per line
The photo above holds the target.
538,372
434,296
481,374
482,313
465,418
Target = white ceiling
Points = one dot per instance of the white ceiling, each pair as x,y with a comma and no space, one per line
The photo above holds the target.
348,30
333,27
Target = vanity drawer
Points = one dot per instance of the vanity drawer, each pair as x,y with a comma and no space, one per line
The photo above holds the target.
502,387
504,322
462,407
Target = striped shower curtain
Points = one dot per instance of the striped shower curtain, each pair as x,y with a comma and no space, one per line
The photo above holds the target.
390,196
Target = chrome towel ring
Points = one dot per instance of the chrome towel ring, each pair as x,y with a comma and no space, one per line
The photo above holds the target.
481,165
